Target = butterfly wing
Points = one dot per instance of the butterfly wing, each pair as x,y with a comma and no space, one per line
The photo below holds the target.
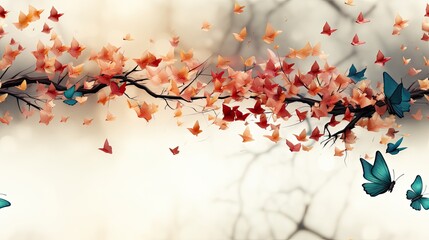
389,85
380,169
4,203
424,202
376,185
417,185
355,75
352,70
374,189
367,174
70,92
416,205
394,148
397,97
70,102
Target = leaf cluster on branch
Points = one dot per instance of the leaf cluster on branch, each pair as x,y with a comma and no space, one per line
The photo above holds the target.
217,87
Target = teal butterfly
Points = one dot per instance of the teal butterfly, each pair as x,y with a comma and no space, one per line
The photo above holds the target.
378,175
4,203
355,75
416,196
393,148
71,94
397,97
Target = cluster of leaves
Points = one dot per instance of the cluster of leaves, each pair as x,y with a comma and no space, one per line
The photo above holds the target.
273,83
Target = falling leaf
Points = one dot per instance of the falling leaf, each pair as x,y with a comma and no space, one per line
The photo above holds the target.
418,115
327,30
349,2
87,121
241,35
106,147
127,37
275,135
206,26
293,147
381,59
361,20
54,15
238,8
339,152
195,130
356,41
270,34
22,86
247,136
175,150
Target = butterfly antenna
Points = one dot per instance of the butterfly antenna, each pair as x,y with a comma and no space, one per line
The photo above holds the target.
393,173
3,194
399,177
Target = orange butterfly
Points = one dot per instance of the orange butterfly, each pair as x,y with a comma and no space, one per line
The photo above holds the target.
302,137
206,26
270,34
3,97
275,136
23,21
412,71
75,49
247,136
339,152
241,35
6,118
238,8
106,147
405,61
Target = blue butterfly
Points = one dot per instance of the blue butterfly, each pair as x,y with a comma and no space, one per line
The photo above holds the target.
71,94
415,195
397,97
355,75
378,175
394,148
4,203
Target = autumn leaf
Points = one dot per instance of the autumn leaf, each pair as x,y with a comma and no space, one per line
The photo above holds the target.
270,34
195,130
106,147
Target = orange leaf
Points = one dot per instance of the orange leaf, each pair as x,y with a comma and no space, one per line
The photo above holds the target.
195,130
418,115
241,35
238,8
247,136
270,34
